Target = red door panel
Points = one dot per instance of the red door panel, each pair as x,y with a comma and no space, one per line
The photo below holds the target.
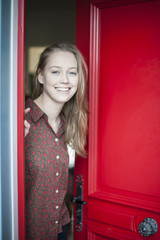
129,98
121,175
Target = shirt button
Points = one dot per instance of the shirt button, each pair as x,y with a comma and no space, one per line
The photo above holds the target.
56,139
56,222
57,207
57,191
57,174
57,156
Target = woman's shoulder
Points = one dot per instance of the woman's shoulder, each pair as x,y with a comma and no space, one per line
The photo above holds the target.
29,103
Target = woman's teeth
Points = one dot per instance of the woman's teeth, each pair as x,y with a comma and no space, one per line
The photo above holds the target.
62,89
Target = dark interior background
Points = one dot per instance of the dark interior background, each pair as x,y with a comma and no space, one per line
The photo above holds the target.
46,21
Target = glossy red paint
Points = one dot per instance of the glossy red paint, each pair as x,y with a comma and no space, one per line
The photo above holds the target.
121,174
82,42
20,121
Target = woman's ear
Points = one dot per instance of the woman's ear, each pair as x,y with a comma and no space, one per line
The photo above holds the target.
40,77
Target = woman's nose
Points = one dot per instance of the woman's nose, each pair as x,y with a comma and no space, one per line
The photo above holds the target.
64,78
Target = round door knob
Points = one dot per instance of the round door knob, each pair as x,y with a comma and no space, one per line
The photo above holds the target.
148,227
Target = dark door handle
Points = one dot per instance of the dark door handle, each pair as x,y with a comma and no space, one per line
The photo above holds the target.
75,200
79,203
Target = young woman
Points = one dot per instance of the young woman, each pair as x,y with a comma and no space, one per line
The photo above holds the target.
57,117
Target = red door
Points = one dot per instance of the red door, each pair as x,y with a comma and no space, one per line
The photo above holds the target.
121,177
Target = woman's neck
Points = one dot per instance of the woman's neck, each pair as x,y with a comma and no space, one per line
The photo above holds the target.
49,107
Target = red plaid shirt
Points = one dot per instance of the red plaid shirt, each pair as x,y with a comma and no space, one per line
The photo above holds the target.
46,165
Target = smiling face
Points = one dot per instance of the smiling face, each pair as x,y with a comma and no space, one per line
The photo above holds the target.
59,77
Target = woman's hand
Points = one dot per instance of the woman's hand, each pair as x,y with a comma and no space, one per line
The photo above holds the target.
26,124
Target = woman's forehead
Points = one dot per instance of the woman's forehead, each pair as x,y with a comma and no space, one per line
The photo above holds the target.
58,58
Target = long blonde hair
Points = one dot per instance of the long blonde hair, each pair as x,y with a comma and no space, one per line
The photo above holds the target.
76,109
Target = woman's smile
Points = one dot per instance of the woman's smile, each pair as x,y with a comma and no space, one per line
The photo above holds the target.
62,89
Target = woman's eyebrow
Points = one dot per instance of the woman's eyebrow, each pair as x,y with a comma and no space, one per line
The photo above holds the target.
73,67
55,67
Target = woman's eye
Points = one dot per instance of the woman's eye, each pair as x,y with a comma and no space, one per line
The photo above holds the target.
72,73
55,72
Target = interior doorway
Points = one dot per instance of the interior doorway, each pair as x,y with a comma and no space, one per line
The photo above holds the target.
46,23
54,21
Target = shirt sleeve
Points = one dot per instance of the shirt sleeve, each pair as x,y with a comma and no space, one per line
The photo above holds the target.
28,180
